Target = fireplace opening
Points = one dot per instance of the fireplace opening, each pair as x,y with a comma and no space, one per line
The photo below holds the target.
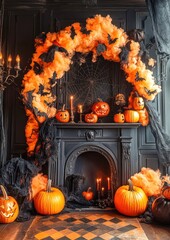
84,168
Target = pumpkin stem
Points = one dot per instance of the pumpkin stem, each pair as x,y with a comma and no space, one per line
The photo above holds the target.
89,189
49,185
130,185
99,99
5,195
63,108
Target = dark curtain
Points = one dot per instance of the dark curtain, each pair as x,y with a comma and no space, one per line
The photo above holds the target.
159,11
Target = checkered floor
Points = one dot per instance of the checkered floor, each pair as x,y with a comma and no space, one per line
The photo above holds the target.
85,225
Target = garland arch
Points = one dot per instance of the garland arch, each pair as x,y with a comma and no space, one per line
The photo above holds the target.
53,57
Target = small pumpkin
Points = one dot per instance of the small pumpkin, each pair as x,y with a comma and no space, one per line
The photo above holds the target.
161,210
100,108
49,201
130,200
91,118
119,118
63,115
166,190
88,195
138,103
131,116
9,208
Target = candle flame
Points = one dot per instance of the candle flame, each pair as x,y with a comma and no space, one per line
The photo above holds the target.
0,55
17,58
9,58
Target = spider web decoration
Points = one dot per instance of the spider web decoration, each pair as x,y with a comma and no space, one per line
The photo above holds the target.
89,81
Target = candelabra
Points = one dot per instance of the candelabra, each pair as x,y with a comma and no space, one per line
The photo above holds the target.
6,75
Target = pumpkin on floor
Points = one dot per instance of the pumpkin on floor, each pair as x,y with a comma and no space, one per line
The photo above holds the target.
88,195
9,208
130,200
49,201
161,210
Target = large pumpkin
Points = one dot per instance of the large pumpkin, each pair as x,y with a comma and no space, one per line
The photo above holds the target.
130,200
9,208
49,201
101,109
161,210
131,116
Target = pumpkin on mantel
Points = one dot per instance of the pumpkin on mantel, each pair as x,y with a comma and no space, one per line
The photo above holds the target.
131,116
49,201
119,118
101,108
9,208
63,115
130,200
91,118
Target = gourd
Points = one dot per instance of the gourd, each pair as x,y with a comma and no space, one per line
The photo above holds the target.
9,208
49,201
119,118
91,118
131,116
63,115
88,195
130,200
161,210
100,108
166,190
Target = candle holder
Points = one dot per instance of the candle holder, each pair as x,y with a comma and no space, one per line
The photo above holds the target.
80,115
109,200
72,116
98,196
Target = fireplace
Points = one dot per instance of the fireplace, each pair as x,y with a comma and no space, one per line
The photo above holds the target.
93,151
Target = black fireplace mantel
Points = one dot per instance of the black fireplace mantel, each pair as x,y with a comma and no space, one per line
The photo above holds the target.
117,142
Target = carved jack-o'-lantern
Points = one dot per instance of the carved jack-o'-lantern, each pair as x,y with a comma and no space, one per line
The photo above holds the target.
101,109
119,118
63,115
138,103
8,207
91,118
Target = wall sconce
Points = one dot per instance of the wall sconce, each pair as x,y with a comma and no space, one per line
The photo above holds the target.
6,76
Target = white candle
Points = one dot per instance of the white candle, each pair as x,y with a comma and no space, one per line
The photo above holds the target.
108,183
9,61
71,103
17,62
80,108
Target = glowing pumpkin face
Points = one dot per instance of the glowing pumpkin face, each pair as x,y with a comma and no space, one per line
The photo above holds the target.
101,109
138,103
119,118
8,208
91,118
63,115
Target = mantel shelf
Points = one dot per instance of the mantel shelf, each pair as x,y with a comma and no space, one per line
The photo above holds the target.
97,125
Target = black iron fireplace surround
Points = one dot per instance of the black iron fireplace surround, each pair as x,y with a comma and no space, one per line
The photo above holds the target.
93,151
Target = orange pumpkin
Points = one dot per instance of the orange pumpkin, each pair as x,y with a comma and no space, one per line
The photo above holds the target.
131,116
88,195
9,208
119,118
101,109
50,201
63,115
91,118
138,103
130,200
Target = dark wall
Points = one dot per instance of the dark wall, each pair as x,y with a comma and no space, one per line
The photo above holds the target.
24,20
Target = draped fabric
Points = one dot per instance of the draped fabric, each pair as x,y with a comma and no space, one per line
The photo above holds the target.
159,11
162,140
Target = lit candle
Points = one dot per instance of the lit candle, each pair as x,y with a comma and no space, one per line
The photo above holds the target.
71,103
108,183
1,59
17,62
97,184
9,61
80,108
100,183
102,192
